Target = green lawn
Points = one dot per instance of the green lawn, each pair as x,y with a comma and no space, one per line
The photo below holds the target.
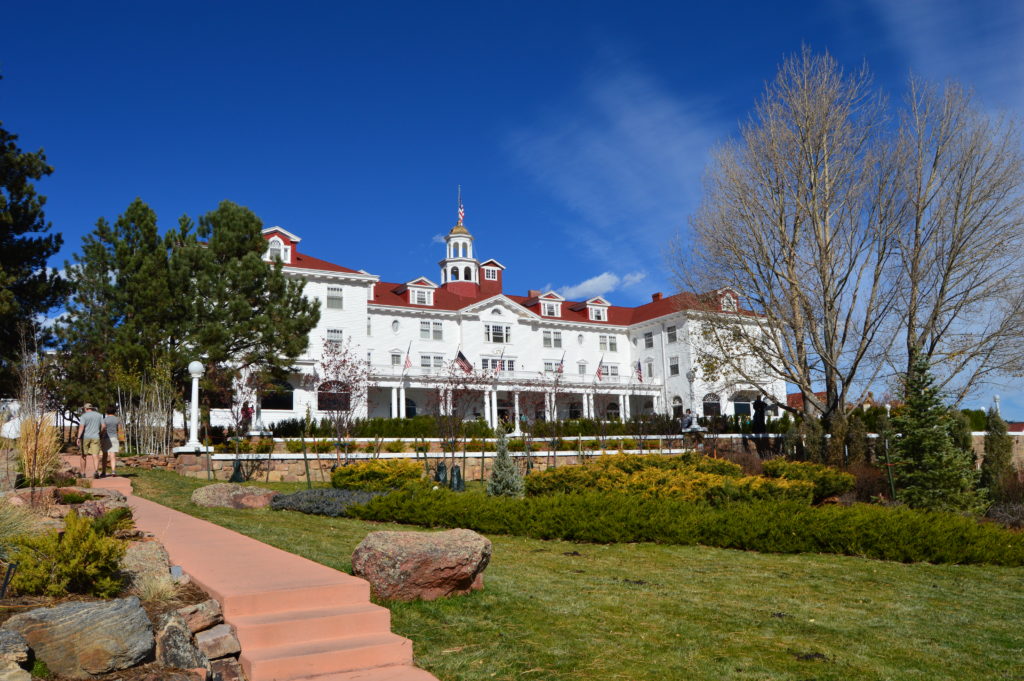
556,610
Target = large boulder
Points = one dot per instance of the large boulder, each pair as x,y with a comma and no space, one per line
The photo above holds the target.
81,640
13,654
230,495
218,641
174,644
407,566
146,559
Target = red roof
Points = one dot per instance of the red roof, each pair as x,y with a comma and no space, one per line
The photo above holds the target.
308,262
796,400
1015,427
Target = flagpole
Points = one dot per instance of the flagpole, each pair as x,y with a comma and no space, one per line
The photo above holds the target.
408,361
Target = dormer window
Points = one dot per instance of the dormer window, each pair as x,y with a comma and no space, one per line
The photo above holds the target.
598,314
729,303
277,251
421,297
550,309
490,274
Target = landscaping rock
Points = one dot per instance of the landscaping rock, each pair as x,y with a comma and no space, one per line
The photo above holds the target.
202,615
408,566
146,559
10,671
81,640
49,500
13,647
219,641
227,669
174,646
162,675
230,495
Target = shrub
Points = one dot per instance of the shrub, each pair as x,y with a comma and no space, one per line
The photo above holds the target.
1007,514
263,446
899,534
72,498
516,445
376,474
505,479
690,477
828,482
394,447
320,447
113,521
329,502
294,446
78,561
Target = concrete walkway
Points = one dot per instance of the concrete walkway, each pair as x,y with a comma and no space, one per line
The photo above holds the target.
295,619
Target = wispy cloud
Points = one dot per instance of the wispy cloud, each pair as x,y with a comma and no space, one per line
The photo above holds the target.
601,285
437,239
977,43
626,156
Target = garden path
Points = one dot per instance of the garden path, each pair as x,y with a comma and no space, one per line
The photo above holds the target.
295,619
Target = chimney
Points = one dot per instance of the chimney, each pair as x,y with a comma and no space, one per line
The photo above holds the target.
533,293
655,297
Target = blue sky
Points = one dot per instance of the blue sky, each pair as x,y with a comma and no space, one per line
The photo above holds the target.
578,130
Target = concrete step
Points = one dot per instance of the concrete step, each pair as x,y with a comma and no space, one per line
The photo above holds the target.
313,658
351,591
393,673
299,626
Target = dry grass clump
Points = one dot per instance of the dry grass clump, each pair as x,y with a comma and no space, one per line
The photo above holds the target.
155,589
15,521
39,445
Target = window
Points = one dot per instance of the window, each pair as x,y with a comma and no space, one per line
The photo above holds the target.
497,333
671,333
712,405
278,395
677,407
396,359
612,411
583,368
498,364
335,298
332,396
394,326
454,276
673,366
598,314
275,251
551,366
334,336
609,370
421,297
608,343
491,274
729,303
552,339
431,331
429,362
650,369
468,274
649,339
550,309
369,327
575,410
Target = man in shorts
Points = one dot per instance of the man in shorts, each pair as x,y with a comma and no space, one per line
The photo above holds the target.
89,429
109,441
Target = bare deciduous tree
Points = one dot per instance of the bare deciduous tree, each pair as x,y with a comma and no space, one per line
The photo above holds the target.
342,384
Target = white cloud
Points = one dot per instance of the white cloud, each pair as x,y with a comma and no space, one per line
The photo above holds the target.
437,239
601,285
626,157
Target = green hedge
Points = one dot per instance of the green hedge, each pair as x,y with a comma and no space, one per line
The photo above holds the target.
897,534
828,481
376,474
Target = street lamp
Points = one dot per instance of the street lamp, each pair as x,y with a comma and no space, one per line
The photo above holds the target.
196,371
690,376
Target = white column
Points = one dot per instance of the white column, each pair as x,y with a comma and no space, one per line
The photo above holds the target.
625,406
515,406
195,369
487,408
394,403
494,410
656,404
401,402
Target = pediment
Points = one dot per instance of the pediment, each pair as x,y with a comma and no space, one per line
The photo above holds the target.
499,305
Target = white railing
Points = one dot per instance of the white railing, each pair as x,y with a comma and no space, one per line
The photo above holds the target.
391,371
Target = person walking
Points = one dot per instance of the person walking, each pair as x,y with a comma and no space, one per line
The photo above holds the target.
110,442
89,428
686,422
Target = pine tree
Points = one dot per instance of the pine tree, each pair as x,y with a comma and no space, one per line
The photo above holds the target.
505,478
931,472
998,462
28,288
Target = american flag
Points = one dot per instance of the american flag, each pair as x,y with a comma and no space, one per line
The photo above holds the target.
639,372
600,371
561,364
408,359
463,363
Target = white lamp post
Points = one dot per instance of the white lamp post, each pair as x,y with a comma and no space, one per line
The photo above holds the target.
690,376
195,370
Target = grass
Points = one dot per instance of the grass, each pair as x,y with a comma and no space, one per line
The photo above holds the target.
561,611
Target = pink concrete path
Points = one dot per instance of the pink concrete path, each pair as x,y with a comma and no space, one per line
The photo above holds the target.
295,619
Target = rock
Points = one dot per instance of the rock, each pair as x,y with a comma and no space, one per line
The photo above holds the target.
146,559
13,647
174,646
219,641
422,565
227,669
81,640
201,615
179,576
10,671
230,495
163,675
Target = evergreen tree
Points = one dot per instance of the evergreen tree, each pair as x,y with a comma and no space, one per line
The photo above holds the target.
28,289
505,478
998,462
930,470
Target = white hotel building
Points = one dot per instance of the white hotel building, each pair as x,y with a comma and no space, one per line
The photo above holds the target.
524,337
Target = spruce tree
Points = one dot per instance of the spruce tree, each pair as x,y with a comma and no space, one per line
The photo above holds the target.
28,288
998,462
505,479
930,471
